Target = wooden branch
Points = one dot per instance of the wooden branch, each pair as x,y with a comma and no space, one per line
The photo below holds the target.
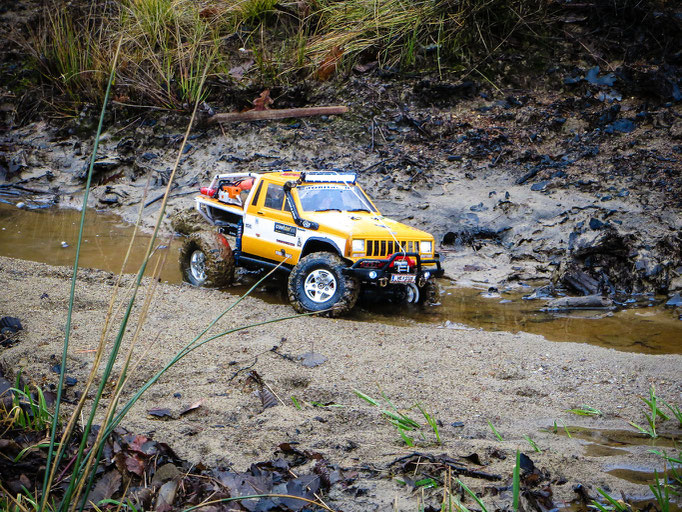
281,113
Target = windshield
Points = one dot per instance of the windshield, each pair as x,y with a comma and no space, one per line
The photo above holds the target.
344,198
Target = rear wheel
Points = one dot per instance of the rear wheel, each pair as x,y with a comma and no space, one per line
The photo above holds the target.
318,283
206,259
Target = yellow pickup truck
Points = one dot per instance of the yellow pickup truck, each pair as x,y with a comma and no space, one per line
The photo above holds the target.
320,228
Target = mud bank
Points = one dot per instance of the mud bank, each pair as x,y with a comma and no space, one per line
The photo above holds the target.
550,184
521,383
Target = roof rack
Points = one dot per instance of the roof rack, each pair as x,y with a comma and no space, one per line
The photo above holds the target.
328,177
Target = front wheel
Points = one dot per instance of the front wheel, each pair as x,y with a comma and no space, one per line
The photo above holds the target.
412,294
318,283
206,259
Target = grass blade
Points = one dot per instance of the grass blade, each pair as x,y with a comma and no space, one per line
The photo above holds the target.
516,481
72,293
497,434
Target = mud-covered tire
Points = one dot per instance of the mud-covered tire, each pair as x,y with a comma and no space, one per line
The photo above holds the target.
218,260
318,283
427,295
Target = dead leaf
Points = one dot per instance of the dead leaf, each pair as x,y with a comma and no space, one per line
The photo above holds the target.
328,65
105,488
263,101
267,398
135,465
162,413
137,443
239,71
164,502
192,407
209,13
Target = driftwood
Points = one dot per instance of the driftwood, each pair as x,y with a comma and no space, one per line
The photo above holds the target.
280,113
588,302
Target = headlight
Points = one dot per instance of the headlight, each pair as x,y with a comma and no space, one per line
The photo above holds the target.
426,247
358,246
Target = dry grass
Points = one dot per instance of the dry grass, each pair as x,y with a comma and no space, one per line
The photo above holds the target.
167,42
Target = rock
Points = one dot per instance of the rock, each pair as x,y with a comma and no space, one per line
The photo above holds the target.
676,129
621,125
110,199
675,284
540,185
312,359
674,301
540,293
596,224
574,125
165,473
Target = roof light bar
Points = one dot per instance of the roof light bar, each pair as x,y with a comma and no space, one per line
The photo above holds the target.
328,177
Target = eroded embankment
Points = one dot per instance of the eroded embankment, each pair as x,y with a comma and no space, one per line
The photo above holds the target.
555,185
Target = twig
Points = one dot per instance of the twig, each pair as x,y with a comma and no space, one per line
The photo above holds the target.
255,360
179,194
283,113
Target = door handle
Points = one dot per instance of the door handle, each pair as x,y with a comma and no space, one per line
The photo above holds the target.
260,213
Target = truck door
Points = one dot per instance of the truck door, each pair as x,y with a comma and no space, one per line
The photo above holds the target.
269,228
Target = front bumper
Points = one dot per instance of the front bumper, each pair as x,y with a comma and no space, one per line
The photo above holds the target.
381,271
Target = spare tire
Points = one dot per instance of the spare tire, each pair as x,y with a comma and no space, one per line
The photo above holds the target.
206,259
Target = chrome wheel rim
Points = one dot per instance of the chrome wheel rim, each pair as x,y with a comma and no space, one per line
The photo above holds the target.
412,294
320,285
197,266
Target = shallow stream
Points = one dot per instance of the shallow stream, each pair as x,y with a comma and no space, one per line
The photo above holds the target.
50,236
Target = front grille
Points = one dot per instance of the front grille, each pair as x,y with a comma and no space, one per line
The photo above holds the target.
384,248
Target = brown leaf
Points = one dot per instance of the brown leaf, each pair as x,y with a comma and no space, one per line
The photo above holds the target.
105,488
137,443
267,398
192,407
328,65
263,101
135,465
237,72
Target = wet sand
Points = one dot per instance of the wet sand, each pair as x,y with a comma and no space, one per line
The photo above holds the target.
521,383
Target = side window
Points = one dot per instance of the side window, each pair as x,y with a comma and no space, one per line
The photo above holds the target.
274,197
257,194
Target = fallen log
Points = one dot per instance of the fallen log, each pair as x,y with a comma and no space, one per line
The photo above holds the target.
587,302
280,113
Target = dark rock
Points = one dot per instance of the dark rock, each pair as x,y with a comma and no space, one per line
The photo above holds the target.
541,293
674,301
621,125
478,208
596,224
110,199
592,76
541,185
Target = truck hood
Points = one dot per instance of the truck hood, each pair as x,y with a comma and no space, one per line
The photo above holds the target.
364,225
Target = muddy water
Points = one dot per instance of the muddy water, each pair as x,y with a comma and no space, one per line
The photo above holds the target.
50,236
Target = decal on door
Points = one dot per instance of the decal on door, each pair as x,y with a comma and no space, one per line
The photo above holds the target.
285,229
